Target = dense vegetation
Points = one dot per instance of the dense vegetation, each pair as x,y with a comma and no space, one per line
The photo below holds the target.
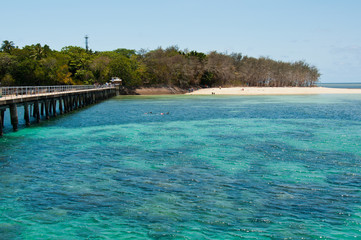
40,65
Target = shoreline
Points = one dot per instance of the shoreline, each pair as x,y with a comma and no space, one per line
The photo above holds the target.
248,91
159,91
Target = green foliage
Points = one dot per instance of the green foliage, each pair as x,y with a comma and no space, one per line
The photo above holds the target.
201,56
7,80
39,65
7,46
7,64
85,76
79,59
207,79
121,66
125,52
100,68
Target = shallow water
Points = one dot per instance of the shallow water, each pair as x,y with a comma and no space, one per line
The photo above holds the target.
340,85
257,167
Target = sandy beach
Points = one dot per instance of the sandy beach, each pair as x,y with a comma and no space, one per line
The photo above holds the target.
273,91
159,91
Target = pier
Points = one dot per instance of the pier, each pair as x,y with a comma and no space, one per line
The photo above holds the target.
48,101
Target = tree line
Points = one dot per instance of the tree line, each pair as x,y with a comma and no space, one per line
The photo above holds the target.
40,65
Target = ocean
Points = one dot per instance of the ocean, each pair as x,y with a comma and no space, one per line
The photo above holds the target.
340,85
187,167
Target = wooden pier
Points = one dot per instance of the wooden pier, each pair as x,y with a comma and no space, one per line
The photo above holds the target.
48,101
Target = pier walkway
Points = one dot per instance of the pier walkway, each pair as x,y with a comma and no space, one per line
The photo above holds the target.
48,100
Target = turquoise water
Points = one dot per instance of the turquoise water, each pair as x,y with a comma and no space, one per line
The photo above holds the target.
258,167
340,85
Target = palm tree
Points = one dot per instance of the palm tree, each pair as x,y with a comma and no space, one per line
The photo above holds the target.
39,52
7,46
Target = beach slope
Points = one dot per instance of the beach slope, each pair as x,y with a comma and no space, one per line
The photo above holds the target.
273,91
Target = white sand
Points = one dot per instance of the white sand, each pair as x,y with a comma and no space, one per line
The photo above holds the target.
274,91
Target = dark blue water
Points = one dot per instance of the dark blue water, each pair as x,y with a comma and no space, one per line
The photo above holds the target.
258,167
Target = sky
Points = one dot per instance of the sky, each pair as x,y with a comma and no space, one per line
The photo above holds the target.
324,33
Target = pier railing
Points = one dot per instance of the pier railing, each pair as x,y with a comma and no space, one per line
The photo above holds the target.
22,91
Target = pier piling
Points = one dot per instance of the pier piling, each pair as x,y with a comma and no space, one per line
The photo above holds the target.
54,106
46,109
1,126
26,114
42,109
14,116
37,111
2,116
60,106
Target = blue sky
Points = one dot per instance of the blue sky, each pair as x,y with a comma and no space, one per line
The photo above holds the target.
324,33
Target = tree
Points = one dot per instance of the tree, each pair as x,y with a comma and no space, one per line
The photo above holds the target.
125,52
7,80
79,59
221,67
39,52
121,66
64,76
7,64
100,68
7,46
39,65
